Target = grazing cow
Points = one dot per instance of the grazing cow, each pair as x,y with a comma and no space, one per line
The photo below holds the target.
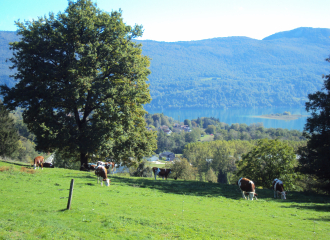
278,188
247,186
110,165
161,172
101,174
38,161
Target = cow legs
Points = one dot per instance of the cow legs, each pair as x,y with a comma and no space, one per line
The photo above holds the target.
275,194
243,194
34,166
101,180
251,194
107,182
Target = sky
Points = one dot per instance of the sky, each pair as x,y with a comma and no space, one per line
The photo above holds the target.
187,20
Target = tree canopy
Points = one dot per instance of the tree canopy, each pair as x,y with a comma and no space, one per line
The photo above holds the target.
82,82
268,160
315,156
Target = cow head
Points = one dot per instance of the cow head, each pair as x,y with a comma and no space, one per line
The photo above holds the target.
157,171
239,182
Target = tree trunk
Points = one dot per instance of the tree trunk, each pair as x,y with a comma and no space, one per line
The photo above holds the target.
222,177
83,158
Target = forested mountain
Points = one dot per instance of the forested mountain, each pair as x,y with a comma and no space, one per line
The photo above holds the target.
280,70
5,53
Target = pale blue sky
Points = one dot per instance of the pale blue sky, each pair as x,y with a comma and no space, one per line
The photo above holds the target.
185,20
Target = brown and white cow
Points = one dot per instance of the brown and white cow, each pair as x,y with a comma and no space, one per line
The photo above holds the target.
247,186
278,188
38,162
161,172
101,174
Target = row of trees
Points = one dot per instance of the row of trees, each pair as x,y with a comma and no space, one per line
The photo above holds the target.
16,141
260,160
176,141
314,158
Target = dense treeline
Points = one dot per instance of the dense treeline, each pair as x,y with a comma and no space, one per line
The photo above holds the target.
259,160
235,150
176,141
24,146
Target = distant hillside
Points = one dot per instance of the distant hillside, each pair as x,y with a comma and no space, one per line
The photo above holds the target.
280,70
5,38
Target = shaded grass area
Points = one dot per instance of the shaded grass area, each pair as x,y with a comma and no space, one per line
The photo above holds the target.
34,206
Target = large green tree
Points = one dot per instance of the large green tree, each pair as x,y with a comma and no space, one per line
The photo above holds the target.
315,156
268,160
82,81
8,133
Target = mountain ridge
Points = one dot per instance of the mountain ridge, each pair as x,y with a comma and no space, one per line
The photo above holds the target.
279,70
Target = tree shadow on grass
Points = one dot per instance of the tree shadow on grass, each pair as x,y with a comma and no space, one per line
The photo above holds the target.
325,219
193,188
18,164
315,207
196,188
203,189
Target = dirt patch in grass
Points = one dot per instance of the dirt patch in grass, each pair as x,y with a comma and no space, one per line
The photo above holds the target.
27,170
4,168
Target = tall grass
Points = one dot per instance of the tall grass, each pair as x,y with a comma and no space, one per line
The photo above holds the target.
33,205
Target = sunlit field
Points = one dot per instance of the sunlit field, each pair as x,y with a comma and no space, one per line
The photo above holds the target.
33,205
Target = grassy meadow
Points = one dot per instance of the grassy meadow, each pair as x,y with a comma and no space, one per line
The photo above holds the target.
33,206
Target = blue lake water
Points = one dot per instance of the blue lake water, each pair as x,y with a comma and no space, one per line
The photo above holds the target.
239,115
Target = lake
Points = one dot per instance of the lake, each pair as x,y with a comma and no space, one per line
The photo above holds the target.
239,115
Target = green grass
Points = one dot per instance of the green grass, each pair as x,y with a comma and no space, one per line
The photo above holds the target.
33,205
151,164
207,138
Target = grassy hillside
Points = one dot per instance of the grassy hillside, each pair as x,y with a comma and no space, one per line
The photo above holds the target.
280,70
33,205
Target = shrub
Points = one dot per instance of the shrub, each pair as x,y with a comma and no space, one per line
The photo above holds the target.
210,176
141,171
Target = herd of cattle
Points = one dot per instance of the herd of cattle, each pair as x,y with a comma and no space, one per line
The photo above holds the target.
101,171
248,187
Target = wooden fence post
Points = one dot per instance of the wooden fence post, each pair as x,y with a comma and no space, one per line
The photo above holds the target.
70,195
